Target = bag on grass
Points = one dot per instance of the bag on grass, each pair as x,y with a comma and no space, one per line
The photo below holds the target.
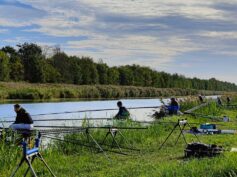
202,150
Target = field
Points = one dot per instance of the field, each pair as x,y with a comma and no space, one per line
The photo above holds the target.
70,160
27,91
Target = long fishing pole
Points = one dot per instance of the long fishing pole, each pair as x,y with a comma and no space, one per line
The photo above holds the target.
102,127
73,119
89,110
77,142
205,116
158,122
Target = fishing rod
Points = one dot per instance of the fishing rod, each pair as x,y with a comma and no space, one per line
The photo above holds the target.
77,142
89,110
61,131
205,116
73,119
102,127
157,122
123,147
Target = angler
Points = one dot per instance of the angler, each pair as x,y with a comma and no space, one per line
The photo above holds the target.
219,101
23,119
228,100
123,112
200,97
172,109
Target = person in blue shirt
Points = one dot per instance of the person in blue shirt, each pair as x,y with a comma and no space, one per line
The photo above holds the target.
173,108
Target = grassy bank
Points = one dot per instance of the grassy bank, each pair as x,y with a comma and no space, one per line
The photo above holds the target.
13,90
69,160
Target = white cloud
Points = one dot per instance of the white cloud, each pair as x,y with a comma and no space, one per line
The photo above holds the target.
142,50
220,34
192,8
61,15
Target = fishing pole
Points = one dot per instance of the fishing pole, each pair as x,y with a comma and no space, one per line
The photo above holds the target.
157,122
89,110
123,147
62,131
77,142
102,127
75,119
205,116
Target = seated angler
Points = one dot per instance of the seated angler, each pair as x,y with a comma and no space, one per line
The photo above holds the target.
200,97
173,108
23,119
228,100
219,101
123,112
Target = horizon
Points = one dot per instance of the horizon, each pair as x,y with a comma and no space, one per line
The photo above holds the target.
194,39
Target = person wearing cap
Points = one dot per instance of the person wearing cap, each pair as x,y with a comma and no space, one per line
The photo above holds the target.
123,112
23,119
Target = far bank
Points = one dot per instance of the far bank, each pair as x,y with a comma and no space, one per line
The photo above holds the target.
28,91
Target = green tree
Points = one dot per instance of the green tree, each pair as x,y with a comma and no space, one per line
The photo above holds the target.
113,76
49,73
31,55
126,75
16,65
76,70
63,65
102,69
89,71
4,67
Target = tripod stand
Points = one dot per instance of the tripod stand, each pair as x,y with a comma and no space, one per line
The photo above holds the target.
181,124
90,137
29,156
114,132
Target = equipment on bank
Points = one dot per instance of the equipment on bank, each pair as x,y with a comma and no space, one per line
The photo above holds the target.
202,150
181,124
210,129
29,155
114,132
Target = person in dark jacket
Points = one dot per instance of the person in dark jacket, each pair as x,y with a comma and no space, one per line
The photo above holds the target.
219,101
201,98
228,100
23,119
123,112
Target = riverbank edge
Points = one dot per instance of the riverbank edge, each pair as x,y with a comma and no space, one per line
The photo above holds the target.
28,91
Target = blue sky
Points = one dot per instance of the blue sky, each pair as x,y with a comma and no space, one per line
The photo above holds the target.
196,38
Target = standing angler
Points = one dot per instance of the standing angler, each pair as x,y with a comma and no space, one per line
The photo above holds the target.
23,119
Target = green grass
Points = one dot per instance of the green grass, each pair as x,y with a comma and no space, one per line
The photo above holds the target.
69,160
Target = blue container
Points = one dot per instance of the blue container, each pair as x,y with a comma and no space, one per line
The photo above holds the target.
207,126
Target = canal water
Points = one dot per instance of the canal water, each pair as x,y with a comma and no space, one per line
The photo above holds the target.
142,114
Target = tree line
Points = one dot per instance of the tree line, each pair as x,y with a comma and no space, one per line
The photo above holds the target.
32,63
